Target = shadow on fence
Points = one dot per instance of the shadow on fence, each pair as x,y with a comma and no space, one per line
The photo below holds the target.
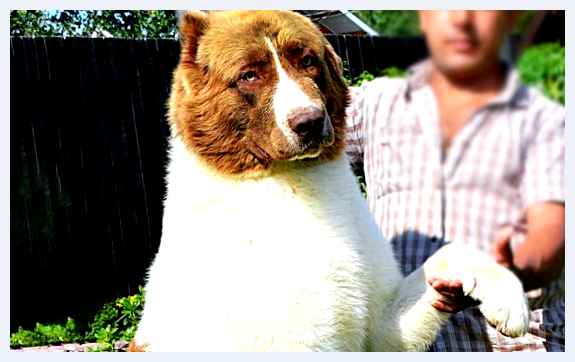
87,154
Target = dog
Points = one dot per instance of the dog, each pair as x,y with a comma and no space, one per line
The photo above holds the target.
267,243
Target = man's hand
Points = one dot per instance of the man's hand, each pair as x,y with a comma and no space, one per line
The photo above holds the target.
541,257
501,251
451,297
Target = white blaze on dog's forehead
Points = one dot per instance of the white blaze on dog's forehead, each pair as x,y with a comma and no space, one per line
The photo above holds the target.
287,97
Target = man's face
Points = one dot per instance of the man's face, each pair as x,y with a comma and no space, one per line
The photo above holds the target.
464,43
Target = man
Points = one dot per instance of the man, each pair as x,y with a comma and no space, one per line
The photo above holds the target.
461,151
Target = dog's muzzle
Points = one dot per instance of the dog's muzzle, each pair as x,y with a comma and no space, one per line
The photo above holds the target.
312,126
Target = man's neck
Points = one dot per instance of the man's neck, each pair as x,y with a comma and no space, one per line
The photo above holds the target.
485,84
459,98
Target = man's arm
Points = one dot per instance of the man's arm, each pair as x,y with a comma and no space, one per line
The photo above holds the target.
541,258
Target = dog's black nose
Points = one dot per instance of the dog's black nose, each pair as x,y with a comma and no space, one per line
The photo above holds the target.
308,123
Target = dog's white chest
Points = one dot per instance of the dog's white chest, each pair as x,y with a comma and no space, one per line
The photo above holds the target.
260,263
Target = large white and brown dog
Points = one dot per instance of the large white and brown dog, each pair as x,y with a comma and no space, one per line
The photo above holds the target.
267,243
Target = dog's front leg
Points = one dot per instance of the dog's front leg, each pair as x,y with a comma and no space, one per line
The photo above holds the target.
404,317
416,321
498,291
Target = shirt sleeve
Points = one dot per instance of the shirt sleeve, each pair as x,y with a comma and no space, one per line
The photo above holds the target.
355,124
366,102
544,162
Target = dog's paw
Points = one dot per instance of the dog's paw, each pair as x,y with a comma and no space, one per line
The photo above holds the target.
500,292
468,283
504,305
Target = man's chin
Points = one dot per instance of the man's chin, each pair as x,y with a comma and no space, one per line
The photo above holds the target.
461,69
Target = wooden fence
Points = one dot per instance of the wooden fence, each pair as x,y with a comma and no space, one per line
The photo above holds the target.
87,156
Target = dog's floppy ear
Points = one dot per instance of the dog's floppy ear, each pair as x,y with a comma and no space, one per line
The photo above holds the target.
192,26
334,62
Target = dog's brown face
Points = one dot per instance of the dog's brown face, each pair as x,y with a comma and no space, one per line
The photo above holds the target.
254,87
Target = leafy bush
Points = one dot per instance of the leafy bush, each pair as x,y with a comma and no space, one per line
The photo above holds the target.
543,66
115,321
394,72
44,334
391,22
365,76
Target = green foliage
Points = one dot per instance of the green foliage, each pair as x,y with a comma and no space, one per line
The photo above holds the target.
23,338
393,72
398,23
543,66
101,348
116,23
393,23
44,334
365,76
523,21
115,321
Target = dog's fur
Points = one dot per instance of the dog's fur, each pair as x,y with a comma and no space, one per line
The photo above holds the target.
267,243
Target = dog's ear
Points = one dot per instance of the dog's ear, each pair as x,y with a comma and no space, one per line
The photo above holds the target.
334,62
192,26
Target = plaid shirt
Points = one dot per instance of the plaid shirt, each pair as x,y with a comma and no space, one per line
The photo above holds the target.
509,155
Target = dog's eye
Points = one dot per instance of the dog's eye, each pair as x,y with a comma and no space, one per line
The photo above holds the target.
249,76
308,61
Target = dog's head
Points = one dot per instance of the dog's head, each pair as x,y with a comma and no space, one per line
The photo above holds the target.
253,88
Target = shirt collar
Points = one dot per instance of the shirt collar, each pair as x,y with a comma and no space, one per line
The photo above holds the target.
513,91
